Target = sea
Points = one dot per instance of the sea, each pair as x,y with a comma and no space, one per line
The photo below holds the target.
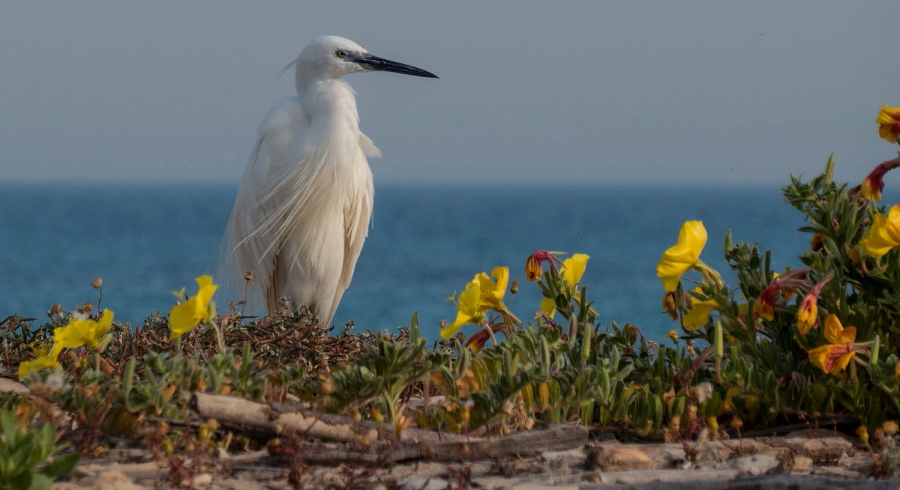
426,243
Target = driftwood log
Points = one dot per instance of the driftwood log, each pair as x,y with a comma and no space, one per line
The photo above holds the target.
369,443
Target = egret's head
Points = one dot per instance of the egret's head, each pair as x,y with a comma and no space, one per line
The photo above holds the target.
335,56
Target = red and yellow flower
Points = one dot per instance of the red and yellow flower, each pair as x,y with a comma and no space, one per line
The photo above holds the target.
809,308
888,121
836,356
873,184
534,264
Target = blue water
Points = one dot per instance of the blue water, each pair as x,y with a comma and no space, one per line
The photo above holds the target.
427,243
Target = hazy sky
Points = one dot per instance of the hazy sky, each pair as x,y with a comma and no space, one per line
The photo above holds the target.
738,92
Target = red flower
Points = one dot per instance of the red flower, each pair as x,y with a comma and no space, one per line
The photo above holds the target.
765,303
785,284
534,264
874,183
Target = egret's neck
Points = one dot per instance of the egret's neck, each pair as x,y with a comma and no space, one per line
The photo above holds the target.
329,101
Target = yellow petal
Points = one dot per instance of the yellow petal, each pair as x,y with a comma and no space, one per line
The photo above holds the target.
844,360
492,292
698,315
468,309
43,360
848,336
683,255
104,324
884,234
833,329
548,307
196,310
573,268
83,332
204,280
819,355
184,317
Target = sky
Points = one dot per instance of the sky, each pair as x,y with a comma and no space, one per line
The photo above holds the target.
529,91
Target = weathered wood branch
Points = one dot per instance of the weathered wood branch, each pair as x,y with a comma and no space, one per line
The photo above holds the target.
369,443
234,411
12,386
279,418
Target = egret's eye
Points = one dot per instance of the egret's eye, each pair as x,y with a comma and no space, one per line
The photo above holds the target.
341,53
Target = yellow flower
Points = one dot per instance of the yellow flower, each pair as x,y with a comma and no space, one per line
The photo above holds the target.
835,356
683,255
87,332
671,335
469,309
698,315
45,359
196,310
492,292
884,234
571,271
481,295
888,121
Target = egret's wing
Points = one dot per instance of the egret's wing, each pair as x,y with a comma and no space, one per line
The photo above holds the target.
357,216
251,242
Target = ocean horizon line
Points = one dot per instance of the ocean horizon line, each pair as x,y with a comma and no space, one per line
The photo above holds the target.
405,184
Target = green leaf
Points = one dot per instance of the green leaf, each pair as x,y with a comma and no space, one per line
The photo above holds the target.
61,466
40,482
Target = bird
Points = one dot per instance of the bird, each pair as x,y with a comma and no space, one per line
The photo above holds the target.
304,204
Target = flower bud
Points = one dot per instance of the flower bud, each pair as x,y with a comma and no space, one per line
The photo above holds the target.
97,283
668,305
376,415
863,434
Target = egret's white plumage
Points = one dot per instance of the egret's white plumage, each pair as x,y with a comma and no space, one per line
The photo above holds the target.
303,207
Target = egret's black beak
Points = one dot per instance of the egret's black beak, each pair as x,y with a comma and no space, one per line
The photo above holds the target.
375,63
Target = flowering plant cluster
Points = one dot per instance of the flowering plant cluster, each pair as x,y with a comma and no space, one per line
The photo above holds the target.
84,331
826,332
818,343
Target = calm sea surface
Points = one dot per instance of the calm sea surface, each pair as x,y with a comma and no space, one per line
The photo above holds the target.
427,243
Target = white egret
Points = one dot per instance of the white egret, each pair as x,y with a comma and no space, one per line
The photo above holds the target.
303,207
